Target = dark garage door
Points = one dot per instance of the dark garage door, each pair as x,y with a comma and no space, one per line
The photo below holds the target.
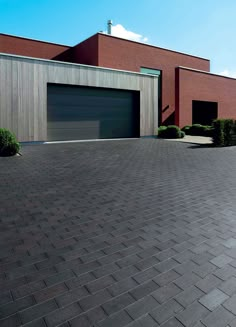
79,113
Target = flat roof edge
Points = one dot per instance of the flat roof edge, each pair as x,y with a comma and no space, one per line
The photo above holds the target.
154,46
204,72
30,39
74,64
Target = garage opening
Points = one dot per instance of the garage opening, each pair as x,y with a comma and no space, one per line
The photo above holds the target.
204,112
80,113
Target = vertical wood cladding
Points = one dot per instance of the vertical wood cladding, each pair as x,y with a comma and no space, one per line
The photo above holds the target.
23,89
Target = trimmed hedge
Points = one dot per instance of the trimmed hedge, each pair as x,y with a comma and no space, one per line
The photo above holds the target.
170,132
198,130
8,143
224,131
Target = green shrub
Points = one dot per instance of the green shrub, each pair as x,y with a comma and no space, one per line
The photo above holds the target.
170,132
207,131
218,132
198,130
186,129
229,126
161,130
8,143
182,134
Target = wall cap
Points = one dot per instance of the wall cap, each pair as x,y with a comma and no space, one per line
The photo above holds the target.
74,64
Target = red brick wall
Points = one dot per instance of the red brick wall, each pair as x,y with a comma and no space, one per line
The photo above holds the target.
85,52
194,85
128,55
30,48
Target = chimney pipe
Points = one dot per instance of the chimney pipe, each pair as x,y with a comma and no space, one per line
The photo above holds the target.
109,26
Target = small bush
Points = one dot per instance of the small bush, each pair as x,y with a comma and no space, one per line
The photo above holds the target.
208,131
224,132
186,129
198,130
218,132
170,132
229,126
182,134
8,143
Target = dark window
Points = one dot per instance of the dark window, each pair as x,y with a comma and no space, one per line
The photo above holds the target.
204,112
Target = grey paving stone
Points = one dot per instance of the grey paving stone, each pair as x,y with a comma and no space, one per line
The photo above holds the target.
166,292
100,283
125,272
80,280
18,305
218,318
61,315
232,323
221,260
205,269
39,323
230,304
186,267
145,263
50,292
118,303
81,320
208,283
166,311
144,289
187,280
122,286
166,277
225,272
228,286
72,296
192,314
172,322
96,314
213,299
91,301
142,307
188,296
38,311
82,208
166,265
145,275
5,297
145,321
117,320
13,321
230,243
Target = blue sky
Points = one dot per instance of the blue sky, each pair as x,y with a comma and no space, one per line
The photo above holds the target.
206,28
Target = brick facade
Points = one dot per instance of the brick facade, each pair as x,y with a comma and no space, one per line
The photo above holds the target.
196,85
123,54
180,86
30,48
85,53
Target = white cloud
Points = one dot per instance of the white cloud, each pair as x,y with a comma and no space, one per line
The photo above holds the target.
119,31
228,73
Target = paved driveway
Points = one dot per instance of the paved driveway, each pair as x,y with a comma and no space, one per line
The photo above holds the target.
136,233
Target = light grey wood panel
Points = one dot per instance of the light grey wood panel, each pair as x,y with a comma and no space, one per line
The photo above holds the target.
23,92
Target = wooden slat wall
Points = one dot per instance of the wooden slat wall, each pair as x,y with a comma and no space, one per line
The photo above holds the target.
23,92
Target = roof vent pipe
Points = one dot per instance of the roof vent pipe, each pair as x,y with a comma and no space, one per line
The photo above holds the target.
109,25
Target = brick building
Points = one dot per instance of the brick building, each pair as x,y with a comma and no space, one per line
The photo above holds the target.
187,91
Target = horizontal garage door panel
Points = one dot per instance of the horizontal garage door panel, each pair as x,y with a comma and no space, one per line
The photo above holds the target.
91,113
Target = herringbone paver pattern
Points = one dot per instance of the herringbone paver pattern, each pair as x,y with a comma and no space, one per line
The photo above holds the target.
135,233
